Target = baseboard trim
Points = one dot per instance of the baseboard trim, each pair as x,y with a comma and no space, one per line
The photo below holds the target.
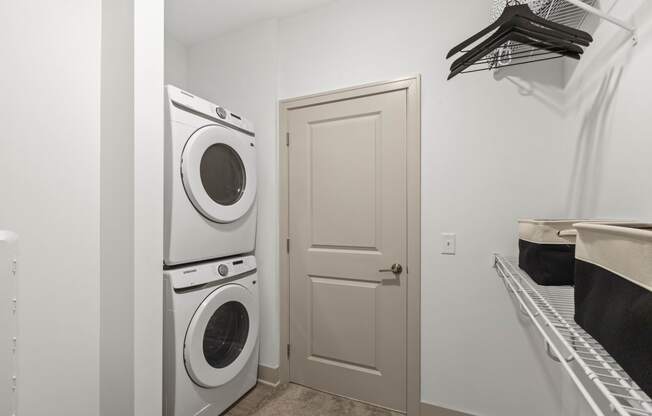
428,409
268,375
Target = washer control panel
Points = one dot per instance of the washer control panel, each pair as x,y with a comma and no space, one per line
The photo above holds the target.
201,274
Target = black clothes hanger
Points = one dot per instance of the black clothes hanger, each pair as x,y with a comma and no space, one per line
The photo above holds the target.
522,39
524,23
496,40
523,11
515,37
518,25
489,45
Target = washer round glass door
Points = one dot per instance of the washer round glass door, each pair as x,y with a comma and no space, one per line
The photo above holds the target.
218,173
221,336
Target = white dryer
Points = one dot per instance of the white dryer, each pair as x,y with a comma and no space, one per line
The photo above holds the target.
210,181
210,336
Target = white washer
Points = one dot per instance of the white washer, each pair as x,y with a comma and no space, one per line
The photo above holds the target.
210,336
210,181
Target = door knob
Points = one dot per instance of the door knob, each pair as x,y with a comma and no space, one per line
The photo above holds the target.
396,269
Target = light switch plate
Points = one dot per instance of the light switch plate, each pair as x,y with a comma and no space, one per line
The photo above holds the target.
448,243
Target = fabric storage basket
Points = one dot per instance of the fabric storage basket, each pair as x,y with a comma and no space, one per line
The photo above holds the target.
547,250
613,293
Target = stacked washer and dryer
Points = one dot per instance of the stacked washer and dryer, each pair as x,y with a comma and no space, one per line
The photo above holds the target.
211,286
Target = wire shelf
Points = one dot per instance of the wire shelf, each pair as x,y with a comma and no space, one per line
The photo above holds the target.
559,11
551,309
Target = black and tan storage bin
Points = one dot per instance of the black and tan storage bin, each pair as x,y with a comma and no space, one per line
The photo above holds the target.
613,293
547,250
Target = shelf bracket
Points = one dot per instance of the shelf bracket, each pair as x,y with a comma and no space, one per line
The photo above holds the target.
554,357
607,17
526,313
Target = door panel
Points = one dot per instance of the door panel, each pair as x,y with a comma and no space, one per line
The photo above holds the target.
353,316
347,163
349,145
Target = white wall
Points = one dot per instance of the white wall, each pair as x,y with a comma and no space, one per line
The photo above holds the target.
49,182
609,101
131,182
116,208
239,71
81,162
490,156
148,135
176,62
493,152
475,351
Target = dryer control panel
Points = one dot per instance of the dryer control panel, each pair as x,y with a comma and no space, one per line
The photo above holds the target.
201,274
189,103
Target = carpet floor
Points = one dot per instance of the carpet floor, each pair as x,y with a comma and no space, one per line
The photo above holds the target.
295,400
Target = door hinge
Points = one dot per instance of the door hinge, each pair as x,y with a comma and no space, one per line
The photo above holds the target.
287,245
14,267
288,351
287,138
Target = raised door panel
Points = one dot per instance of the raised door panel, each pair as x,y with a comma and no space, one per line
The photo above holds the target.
344,310
344,166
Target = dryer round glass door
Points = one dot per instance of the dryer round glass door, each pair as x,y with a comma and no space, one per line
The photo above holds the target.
221,336
218,169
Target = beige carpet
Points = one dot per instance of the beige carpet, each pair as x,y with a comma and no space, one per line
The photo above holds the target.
295,400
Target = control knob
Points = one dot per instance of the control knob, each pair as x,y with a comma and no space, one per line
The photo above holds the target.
223,270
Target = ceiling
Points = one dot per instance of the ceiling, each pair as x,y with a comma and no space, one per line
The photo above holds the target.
191,21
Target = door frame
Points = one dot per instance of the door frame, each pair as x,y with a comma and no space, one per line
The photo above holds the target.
412,85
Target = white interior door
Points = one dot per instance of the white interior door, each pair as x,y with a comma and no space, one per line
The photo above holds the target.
348,226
